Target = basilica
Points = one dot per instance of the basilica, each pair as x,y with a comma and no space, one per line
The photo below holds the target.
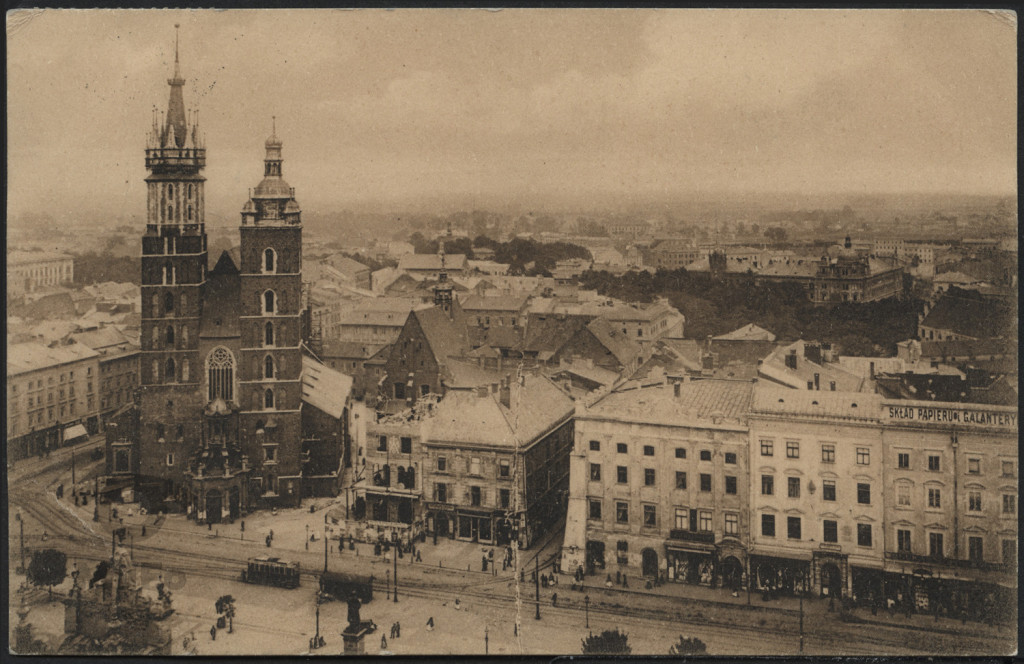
235,411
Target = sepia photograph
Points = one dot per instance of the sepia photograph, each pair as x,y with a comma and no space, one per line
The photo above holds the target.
506,332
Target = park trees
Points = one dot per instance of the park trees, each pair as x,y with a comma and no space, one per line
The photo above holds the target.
48,567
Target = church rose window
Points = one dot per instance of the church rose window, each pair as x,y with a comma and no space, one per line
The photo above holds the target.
221,374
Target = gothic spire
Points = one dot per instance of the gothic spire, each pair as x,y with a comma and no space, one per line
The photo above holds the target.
176,104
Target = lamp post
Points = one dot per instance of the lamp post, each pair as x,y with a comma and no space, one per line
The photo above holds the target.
326,545
96,499
316,639
536,578
394,558
72,470
21,529
387,582
486,645
801,621
586,608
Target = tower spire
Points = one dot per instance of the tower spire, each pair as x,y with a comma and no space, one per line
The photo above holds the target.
176,104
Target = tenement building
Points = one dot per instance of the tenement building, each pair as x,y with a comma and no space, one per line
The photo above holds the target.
817,492
951,488
225,379
659,483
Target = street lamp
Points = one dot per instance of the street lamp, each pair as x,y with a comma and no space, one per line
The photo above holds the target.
486,646
801,621
387,581
316,639
536,578
394,558
586,608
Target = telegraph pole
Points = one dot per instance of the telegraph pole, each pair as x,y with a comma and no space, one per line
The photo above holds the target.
536,578
394,558
326,543
96,499
21,528
801,622
72,470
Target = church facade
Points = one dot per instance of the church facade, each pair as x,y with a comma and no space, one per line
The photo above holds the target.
226,369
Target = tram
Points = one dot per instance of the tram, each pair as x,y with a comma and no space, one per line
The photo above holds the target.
271,572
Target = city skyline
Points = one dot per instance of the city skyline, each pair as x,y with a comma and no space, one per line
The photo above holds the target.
518,105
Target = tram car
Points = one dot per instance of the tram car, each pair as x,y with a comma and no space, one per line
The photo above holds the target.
271,572
342,585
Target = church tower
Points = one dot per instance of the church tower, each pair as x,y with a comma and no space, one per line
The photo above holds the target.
272,328
173,276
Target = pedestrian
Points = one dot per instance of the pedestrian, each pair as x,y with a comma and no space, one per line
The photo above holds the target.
483,563
392,630
418,558
213,632
458,604
243,525
398,630
554,599
430,624
383,642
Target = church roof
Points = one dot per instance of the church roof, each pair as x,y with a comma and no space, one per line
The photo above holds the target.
221,300
225,264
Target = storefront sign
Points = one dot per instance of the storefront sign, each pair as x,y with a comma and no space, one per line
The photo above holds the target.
968,418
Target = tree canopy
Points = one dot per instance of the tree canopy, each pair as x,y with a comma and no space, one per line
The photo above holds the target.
608,642
48,567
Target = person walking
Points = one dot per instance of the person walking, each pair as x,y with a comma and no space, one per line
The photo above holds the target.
554,599
213,632
398,630
383,642
430,624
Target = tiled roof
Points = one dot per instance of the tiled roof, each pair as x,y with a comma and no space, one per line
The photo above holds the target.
621,346
346,265
967,348
963,316
324,388
101,339
748,332
701,399
774,367
33,356
551,331
447,337
431,262
813,403
349,349
494,303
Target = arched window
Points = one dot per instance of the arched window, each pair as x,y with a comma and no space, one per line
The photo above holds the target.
156,304
171,373
190,213
268,367
184,336
221,372
184,370
268,334
168,303
268,302
156,371
190,191
170,190
269,260
170,335
170,213
156,337
268,398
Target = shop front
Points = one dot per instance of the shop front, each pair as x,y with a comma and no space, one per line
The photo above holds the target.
475,526
785,576
690,562
830,573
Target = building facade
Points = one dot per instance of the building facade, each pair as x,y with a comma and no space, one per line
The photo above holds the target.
659,484
31,271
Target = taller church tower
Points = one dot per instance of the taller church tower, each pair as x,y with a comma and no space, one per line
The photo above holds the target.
173,277
272,328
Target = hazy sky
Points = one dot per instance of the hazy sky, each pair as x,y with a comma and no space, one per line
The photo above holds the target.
516,104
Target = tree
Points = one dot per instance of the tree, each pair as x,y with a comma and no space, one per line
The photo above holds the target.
608,642
691,646
776,234
48,567
226,605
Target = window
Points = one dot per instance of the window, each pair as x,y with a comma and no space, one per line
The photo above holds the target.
1009,552
863,456
680,452
268,398
933,462
269,260
442,464
863,534
648,477
934,498
974,501
268,302
399,390
474,466
595,509
730,484
903,460
768,525
168,303
935,549
270,453
793,527
405,445
864,494
650,516
595,445
170,459
268,367
974,466
682,518
732,523
622,474
621,512
621,448
504,468
648,450
828,453
1009,503
705,455
170,373
622,552
903,495
441,491
793,487
903,541
829,531
974,549
1008,469
767,485
705,520
828,490
474,496
382,443
730,458
595,472
705,482
767,448
424,388
792,449
268,334
680,480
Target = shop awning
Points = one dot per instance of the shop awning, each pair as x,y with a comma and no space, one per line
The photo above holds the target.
75,431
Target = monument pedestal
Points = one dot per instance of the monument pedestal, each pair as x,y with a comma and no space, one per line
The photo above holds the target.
354,640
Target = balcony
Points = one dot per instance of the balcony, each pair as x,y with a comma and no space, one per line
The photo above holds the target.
702,537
